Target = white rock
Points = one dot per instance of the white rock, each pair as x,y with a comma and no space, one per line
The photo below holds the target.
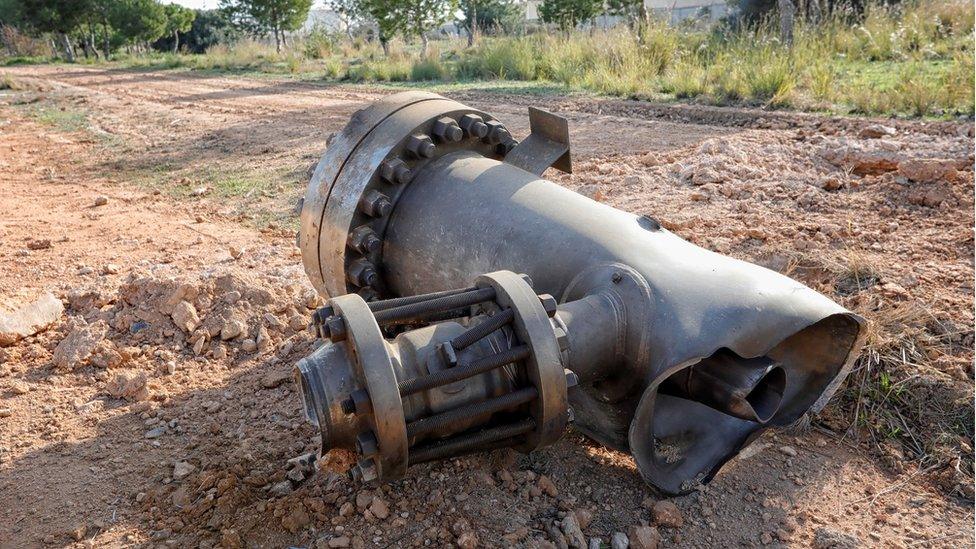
29,319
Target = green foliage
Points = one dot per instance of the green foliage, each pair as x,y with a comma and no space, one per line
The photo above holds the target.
178,18
568,14
138,20
264,17
491,16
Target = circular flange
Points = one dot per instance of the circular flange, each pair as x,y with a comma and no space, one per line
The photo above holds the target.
375,367
544,367
351,170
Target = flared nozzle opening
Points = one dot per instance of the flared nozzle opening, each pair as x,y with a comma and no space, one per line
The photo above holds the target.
767,395
746,388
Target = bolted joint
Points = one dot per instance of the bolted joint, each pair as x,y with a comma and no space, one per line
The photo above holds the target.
572,380
420,146
395,171
446,130
497,133
364,240
549,304
335,329
473,126
505,147
362,273
366,444
375,204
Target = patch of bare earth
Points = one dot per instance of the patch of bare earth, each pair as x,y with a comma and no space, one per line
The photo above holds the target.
158,410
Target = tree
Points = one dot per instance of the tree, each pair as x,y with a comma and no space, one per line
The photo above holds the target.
138,21
178,19
349,13
423,16
489,15
568,14
629,9
57,17
275,16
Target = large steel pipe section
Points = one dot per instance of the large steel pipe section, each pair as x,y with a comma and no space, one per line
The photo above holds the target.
683,356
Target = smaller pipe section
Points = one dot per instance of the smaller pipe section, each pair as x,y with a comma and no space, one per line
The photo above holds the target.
465,443
481,330
593,330
464,413
450,375
418,310
385,304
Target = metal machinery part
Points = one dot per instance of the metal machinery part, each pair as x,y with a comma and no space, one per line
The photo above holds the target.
682,356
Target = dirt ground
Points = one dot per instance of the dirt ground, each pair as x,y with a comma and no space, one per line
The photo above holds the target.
133,421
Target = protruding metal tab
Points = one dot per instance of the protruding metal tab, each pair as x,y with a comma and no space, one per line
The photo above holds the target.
547,145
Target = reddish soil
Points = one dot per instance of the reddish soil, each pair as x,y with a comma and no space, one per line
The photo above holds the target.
164,436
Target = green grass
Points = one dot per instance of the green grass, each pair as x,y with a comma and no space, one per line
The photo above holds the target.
915,60
62,118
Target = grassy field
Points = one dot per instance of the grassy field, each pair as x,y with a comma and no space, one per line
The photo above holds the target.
916,60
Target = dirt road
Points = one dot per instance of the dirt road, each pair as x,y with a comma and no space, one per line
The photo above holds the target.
129,422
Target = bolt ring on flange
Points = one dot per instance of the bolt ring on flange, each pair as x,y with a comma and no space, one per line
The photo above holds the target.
543,366
386,407
377,141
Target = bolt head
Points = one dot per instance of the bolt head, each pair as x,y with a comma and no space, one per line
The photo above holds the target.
366,444
368,468
549,304
335,328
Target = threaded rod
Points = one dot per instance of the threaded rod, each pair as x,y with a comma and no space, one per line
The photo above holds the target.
463,371
452,418
481,330
385,304
467,442
418,310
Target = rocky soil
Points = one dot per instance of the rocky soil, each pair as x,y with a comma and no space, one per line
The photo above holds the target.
148,336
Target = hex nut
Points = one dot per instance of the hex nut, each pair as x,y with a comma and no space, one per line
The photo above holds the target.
549,304
368,468
360,401
562,338
420,146
473,126
496,133
335,329
395,171
446,130
505,147
364,240
362,273
375,204
366,444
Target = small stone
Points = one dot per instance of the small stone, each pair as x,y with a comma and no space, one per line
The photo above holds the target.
185,316
249,345
876,131
379,508
280,489
75,349
595,543
274,379
928,170
198,345
467,540
619,541
828,538
571,530
140,497
236,252
832,184
110,269
341,541
788,451
547,486
6,412
644,537
78,533
263,339
182,469
40,244
156,432
129,385
231,329
584,516
101,200
666,513
363,500
29,319
220,352
347,509
230,539
298,322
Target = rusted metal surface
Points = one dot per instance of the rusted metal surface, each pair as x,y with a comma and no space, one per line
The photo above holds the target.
682,356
